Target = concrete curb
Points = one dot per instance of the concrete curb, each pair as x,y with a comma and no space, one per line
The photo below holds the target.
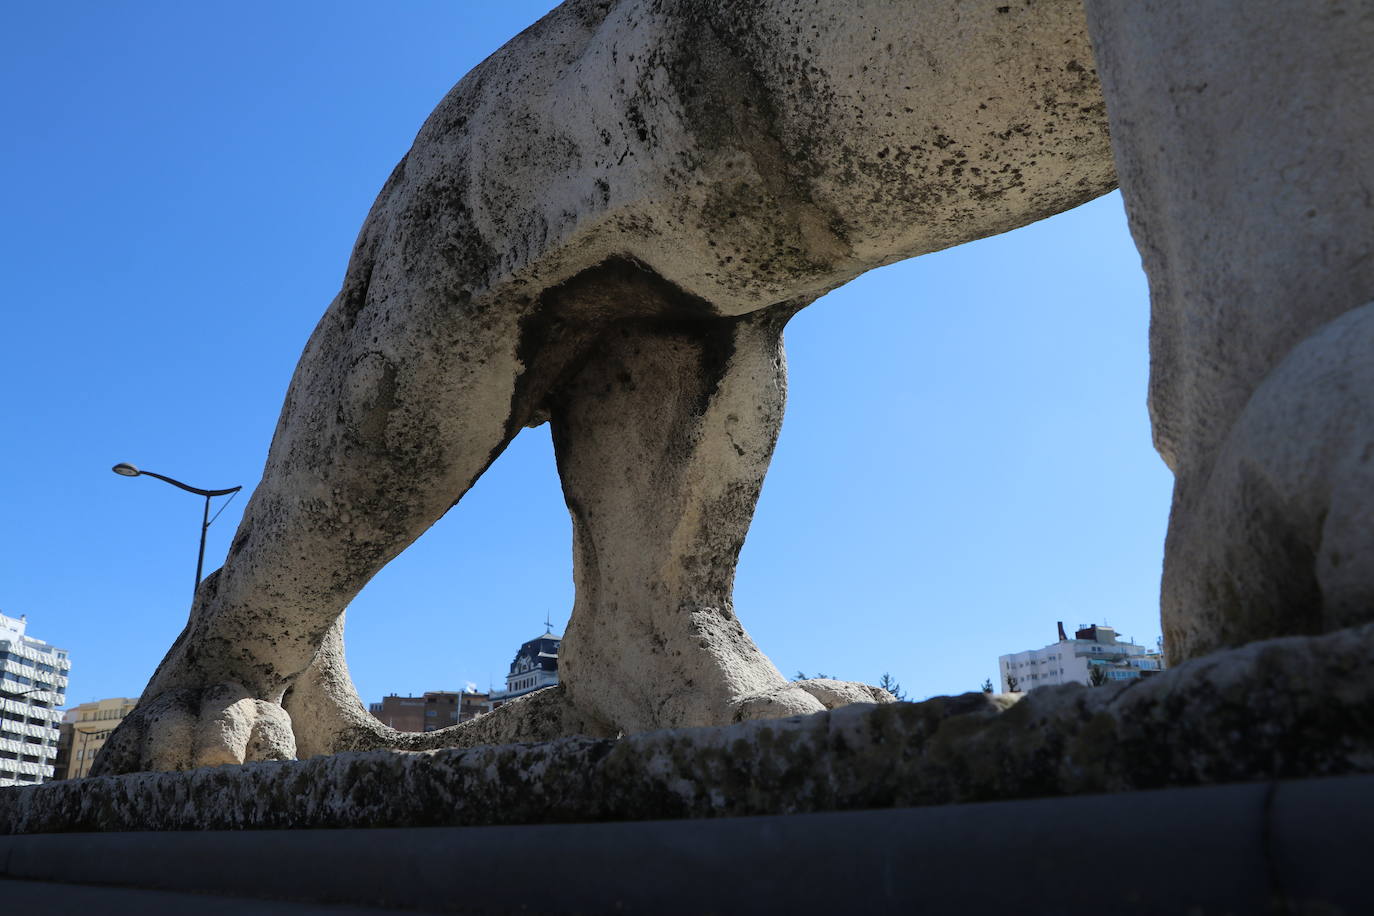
1289,847
1294,708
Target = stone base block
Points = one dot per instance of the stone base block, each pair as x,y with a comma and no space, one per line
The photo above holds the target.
1285,708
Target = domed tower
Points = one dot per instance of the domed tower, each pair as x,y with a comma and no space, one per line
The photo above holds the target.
535,666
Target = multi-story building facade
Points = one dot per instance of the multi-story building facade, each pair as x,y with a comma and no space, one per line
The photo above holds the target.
534,668
33,684
84,730
433,711
1071,661
472,705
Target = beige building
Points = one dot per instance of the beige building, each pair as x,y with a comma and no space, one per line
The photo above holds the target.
435,710
84,730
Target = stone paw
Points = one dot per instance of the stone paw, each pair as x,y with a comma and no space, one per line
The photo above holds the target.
834,694
788,700
812,695
184,728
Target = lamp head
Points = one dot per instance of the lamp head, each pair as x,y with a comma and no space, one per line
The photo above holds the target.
125,469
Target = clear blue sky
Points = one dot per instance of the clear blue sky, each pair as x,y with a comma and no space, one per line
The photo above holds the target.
966,456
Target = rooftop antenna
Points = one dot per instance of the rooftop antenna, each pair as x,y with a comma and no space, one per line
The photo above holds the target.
548,622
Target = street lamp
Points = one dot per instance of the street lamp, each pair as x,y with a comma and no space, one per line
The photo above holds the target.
124,469
14,695
83,763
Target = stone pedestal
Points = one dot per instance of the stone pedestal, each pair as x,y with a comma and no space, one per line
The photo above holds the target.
1297,707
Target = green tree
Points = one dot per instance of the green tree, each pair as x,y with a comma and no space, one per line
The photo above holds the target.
987,686
1013,685
889,683
1097,675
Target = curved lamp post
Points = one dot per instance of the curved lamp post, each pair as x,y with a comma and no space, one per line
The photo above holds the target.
13,695
83,765
125,469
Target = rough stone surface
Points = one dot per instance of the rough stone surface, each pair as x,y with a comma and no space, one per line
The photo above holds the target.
606,225
1298,706
1244,138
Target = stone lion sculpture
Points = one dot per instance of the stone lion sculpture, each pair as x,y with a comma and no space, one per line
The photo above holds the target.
606,225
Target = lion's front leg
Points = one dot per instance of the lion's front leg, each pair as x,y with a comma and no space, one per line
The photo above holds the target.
381,433
663,441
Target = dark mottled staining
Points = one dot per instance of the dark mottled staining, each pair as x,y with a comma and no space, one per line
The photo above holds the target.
372,427
562,327
357,282
621,287
637,122
242,536
764,215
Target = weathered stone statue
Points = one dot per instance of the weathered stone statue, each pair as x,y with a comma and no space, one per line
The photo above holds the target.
606,225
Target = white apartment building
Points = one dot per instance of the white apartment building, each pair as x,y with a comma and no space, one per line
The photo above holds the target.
33,683
1071,661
